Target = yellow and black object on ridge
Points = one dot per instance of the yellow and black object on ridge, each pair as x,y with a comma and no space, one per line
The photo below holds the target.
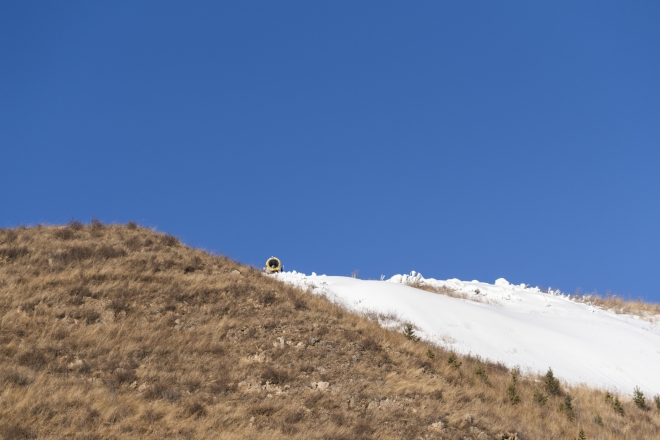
273,265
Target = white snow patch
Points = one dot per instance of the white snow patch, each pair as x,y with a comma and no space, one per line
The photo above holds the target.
518,325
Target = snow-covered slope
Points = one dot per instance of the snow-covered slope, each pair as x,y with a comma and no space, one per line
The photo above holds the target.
512,324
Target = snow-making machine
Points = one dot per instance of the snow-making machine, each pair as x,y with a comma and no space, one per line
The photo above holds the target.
273,265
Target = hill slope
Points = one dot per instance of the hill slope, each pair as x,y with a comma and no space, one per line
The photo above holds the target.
512,324
120,332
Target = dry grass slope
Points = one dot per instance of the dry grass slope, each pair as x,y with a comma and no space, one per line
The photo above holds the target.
613,303
621,305
120,332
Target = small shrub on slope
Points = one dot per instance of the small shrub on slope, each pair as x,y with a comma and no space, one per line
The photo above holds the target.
453,360
64,234
567,407
75,225
639,399
598,420
480,372
551,383
512,390
409,332
540,398
656,398
616,406
97,224
582,435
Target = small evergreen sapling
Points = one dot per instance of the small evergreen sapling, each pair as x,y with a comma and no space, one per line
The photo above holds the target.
616,405
551,383
582,435
512,390
409,332
656,398
480,372
567,407
540,398
453,360
639,399
430,354
598,420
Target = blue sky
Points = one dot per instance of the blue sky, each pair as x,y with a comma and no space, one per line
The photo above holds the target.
473,140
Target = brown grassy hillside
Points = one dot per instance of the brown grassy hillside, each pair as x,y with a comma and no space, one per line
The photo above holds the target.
120,332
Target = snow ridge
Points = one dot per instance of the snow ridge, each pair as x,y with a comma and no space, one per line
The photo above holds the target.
517,325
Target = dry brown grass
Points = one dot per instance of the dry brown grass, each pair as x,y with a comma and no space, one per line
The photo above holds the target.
448,291
613,303
120,332
621,305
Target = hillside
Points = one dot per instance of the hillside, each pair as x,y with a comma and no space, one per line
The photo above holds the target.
121,332
516,325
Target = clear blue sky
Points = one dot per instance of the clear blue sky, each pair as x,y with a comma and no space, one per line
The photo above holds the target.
465,139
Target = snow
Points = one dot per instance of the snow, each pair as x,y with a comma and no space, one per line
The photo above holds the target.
517,325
